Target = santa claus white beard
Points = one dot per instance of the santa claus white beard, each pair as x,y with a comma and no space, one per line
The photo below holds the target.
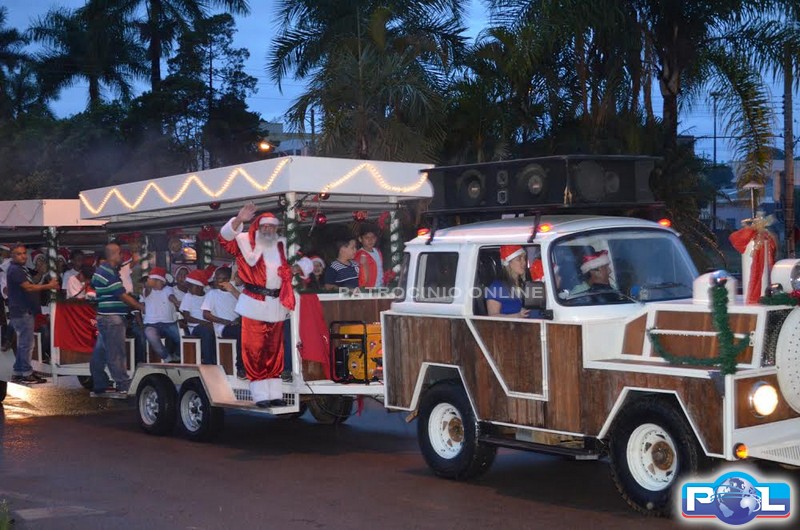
266,240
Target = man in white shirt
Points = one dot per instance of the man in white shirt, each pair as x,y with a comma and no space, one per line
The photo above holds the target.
159,316
78,284
219,308
192,310
76,262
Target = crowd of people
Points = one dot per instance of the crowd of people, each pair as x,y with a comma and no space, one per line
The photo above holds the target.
156,308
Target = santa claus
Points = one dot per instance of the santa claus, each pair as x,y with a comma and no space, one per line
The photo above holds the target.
265,302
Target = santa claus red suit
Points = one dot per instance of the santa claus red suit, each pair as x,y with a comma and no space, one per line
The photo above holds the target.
264,304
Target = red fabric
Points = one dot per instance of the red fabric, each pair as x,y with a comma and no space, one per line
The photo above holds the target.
764,248
262,349
367,268
315,339
75,327
537,270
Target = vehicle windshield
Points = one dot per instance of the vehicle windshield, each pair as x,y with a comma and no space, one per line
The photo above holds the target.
621,266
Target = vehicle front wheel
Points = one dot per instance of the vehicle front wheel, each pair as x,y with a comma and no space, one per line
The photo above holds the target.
198,419
3,390
448,432
156,401
651,446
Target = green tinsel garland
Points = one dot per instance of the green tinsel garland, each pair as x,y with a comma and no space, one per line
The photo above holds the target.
729,350
779,299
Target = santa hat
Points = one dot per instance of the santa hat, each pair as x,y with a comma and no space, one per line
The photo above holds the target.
182,267
317,259
63,254
197,277
209,272
268,219
509,252
37,255
158,273
306,266
127,257
595,261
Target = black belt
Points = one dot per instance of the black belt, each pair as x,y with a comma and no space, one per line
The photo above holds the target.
255,289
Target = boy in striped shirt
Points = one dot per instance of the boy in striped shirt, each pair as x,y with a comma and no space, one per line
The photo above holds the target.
112,309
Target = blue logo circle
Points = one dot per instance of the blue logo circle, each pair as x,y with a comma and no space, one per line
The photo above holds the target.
738,502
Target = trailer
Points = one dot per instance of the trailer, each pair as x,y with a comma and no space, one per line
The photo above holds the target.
306,192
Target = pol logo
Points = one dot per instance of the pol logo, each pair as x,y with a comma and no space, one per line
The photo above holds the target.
735,498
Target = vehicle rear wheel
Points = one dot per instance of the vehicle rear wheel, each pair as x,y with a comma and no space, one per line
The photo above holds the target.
198,419
156,401
3,390
651,446
331,410
447,432
86,382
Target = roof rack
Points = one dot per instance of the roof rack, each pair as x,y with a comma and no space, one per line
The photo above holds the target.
543,209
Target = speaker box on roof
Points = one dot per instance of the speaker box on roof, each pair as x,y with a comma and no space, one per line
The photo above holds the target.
562,180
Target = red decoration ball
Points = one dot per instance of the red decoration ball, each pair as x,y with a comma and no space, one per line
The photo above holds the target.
214,205
320,219
360,216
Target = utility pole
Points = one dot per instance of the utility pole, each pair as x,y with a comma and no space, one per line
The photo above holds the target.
714,96
313,134
788,149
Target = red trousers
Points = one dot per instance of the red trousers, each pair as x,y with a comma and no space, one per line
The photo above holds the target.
262,349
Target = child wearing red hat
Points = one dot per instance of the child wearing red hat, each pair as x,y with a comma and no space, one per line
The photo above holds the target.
159,316
596,270
192,310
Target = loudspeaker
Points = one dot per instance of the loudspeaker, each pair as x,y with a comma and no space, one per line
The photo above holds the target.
610,180
555,180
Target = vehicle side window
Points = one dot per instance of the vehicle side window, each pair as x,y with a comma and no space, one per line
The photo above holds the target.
436,277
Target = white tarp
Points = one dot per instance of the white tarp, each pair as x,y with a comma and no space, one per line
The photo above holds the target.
340,177
42,212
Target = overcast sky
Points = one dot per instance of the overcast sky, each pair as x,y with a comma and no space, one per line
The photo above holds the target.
256,30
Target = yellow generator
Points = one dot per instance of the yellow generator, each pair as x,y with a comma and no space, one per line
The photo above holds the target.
349,341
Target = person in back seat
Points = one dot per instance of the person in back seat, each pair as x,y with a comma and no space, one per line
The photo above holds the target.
504,295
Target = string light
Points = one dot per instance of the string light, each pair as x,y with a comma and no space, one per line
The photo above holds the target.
114,192
376,175
194,179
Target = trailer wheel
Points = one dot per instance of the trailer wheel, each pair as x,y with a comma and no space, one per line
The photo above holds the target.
651,445
157,405
199,421
3,389
447,432
86,382
331,410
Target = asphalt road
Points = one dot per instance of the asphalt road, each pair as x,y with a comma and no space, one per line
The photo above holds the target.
68,461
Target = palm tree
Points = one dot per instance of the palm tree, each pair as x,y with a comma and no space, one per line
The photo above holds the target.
94,43
167,19
12,57
11,45
376,70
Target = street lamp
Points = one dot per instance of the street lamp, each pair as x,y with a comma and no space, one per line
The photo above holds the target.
752,186
264,146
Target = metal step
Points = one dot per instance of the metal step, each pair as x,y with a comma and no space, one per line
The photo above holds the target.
576,453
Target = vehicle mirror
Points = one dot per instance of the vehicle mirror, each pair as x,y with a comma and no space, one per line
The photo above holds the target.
534,295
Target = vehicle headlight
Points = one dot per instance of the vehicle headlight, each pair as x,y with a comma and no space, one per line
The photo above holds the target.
763,399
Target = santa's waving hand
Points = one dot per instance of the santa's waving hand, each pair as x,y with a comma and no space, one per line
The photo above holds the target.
265,301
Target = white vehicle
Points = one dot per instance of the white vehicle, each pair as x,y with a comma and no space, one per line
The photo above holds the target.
581,376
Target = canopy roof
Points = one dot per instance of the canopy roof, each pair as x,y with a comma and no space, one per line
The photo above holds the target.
349,182
43,212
